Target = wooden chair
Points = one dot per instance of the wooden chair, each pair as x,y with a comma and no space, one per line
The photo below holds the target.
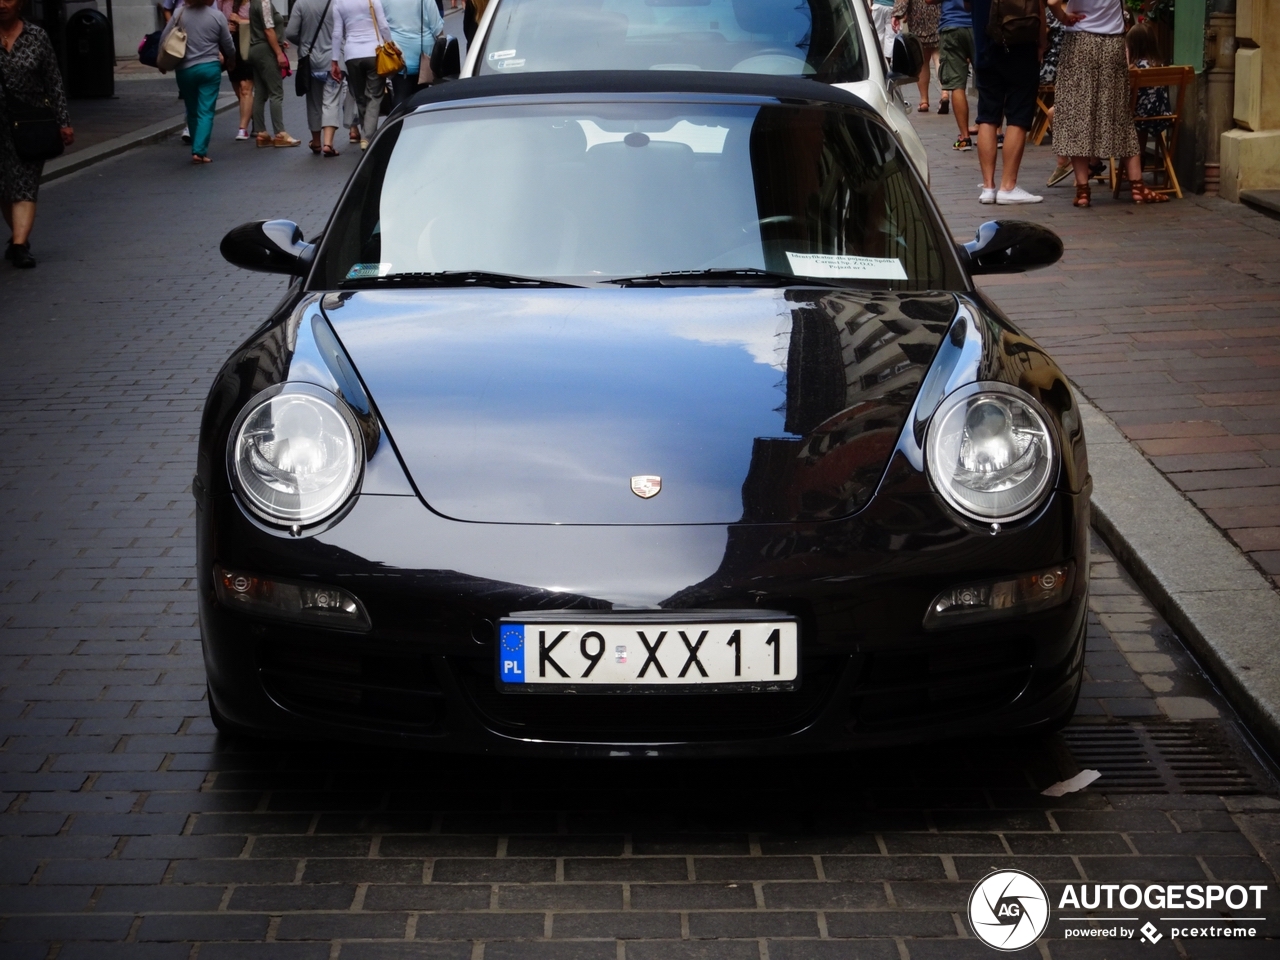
1160,162
1043,121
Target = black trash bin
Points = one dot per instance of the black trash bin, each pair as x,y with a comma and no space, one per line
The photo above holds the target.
91,56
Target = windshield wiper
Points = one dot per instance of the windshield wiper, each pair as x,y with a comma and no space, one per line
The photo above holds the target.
733,277
454,278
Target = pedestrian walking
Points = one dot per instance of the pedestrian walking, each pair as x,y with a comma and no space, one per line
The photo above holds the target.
199,74
269,65
310,29
472,11
414,24
1008,73
359,27
167,10
955,55
882,20
241,73
30,78
1091,115
921,18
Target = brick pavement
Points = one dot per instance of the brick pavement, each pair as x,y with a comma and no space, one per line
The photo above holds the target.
1167,318
129,829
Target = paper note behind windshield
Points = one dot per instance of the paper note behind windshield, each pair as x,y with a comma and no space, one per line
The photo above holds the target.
854,268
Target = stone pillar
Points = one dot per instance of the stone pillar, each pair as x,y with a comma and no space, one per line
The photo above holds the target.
1220,73
1250,154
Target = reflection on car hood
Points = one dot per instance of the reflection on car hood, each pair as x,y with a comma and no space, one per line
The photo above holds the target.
541,406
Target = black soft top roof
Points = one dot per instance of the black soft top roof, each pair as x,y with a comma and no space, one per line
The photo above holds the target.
633,81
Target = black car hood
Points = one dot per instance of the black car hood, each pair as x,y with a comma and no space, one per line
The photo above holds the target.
540,406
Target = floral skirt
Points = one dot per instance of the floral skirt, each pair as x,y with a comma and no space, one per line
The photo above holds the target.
19,179
1091,116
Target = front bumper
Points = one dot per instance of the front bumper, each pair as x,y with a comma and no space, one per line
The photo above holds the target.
424,676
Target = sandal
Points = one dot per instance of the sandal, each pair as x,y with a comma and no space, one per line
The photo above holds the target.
1141,193
197,159
1083,196
923,106
328,151
964,143
353,136
944,107
315,147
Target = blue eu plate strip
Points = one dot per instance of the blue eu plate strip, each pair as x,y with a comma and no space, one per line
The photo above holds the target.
511,653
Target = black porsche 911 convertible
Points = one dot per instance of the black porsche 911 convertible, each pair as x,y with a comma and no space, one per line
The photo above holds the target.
671,425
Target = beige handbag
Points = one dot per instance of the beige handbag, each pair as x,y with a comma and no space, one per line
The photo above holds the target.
174,49
244,34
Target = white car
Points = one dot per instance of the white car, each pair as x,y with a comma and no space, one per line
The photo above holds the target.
828,40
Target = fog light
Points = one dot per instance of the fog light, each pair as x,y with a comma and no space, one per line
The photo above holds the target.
303,602
996,599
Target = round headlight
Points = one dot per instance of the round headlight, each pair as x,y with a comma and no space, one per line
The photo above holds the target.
295,454
989,452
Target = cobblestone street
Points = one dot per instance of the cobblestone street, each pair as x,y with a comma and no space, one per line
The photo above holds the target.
130,829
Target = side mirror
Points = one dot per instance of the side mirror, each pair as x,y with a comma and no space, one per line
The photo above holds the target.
907,60
1010,246
270,246
446,59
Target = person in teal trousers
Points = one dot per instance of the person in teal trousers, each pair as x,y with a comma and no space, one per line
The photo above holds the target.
200,72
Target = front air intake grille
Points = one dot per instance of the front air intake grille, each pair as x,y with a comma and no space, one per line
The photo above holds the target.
939,682
381,689
650,717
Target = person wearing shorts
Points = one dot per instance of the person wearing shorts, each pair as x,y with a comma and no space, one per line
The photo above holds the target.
955,54
1008,81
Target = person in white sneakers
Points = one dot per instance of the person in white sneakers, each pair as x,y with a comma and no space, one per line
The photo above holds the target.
1008,80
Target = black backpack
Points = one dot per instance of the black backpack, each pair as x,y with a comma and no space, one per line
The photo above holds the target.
1014,21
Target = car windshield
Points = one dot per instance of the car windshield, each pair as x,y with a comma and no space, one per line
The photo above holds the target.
793,38
728,192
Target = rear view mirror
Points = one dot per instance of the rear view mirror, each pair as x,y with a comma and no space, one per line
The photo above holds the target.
269,246
907,60
1010,246
446,60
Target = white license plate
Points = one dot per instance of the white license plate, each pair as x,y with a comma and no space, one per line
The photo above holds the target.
634,652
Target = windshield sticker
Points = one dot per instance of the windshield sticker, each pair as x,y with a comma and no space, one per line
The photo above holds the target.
509,64
697,137
852,268
502,55
363,271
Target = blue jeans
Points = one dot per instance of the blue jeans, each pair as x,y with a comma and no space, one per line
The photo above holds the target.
199,87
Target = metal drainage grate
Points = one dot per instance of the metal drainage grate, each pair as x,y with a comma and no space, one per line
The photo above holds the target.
1163,758
1119,754
1201,760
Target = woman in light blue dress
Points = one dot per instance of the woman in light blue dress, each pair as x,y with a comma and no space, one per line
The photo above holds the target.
414,24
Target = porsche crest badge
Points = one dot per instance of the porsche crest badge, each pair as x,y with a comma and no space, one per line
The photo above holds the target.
646,486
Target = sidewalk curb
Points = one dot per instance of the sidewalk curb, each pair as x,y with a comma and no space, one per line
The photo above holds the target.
111,148
1228,613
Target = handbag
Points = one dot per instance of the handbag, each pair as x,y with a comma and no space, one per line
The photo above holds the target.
34,129
244,37
390,59
149,48
174,49
302,79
